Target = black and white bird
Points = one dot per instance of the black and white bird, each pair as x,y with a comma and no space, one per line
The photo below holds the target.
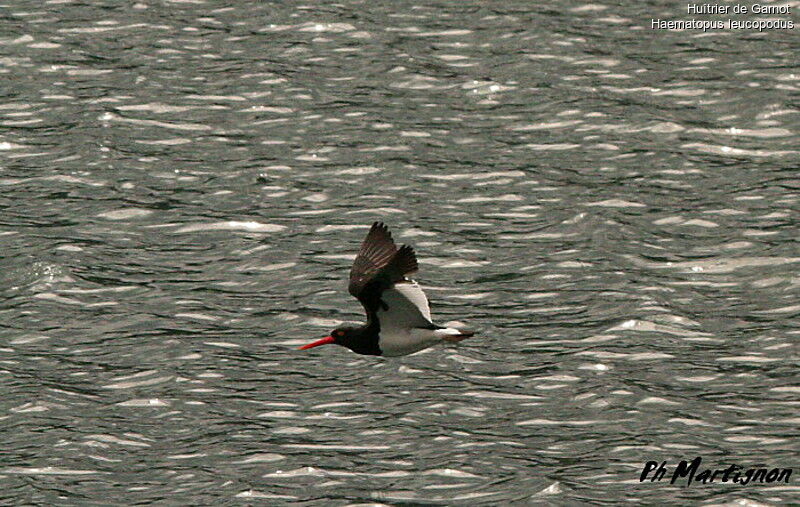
398,316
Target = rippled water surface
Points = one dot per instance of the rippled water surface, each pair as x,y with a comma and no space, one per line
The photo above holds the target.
183,185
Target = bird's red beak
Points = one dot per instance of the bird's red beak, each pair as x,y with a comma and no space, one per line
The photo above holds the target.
324,341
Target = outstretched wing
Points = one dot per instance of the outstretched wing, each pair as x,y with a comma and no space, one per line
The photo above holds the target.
378,266
404,306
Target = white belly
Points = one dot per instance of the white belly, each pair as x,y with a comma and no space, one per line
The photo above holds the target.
400,342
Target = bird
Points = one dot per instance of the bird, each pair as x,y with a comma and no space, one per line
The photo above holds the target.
398,315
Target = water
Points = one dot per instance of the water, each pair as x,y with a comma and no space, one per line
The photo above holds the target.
184,184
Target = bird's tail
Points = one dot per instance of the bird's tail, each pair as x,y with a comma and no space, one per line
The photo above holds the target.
451,334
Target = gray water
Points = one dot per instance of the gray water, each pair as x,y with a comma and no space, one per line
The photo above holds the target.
183,185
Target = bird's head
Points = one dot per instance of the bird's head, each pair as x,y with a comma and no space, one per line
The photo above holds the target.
356,338
342,335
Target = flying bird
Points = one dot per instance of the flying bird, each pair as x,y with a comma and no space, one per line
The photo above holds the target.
398,316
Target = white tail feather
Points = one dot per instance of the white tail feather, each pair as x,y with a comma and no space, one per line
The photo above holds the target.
451,334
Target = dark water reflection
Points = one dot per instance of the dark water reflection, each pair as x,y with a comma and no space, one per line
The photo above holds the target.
183,186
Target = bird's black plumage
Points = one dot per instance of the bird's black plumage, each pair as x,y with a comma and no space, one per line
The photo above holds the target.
378,266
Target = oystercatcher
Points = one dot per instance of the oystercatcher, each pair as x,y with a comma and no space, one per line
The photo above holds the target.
398,316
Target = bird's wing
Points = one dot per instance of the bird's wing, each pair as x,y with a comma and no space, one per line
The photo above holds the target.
378,266
404,306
